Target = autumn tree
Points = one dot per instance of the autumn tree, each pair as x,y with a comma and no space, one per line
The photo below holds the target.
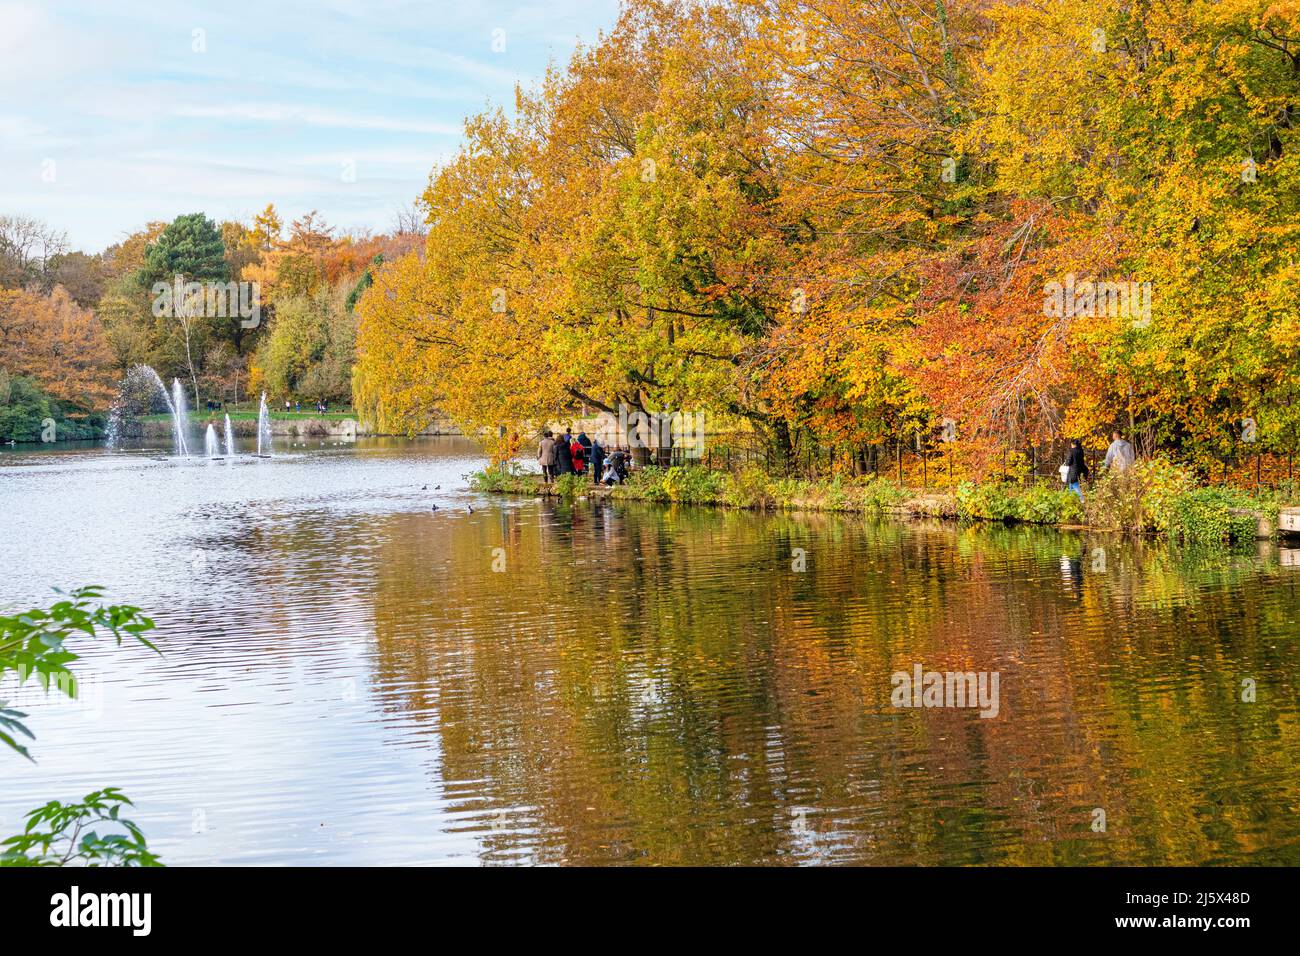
56,343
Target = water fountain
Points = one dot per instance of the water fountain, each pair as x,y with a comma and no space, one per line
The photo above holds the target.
181,417
263,429
142,392
138,394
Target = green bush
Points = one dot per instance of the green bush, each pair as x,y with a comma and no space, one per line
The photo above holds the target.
1160,496
1160,485
1205,516
988,501
784,492
643,484
24,409
504,479
570,486
880,494
69,834
748,488
1041,503
692,485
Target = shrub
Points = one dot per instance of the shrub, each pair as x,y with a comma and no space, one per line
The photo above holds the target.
836,498
748,488
1114,501
692,485
878,494
785,492
1040,503
571,486
989,501
1162,484
643,484
1206,516
63,834
503,479
24,409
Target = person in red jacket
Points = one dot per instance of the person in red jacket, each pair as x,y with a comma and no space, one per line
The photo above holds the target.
579,456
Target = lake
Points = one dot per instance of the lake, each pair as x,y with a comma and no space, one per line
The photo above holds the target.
349,676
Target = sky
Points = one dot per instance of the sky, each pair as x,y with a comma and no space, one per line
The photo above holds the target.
115,113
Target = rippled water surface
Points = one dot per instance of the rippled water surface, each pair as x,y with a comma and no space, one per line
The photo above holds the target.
345,678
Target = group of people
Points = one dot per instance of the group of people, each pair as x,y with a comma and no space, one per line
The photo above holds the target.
322,408
568,454
1120,456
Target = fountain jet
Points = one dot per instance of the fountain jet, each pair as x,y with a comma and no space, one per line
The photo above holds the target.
181,416
137,394
263,428
230,439
211,447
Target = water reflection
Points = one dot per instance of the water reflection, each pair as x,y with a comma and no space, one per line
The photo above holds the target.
352,676
642,685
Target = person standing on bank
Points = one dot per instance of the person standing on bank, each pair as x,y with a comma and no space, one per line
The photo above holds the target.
563,457
1120,455
1076,467
579,454
597,460
546,456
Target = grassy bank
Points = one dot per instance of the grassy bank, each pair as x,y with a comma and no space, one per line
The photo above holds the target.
1155,497
239,413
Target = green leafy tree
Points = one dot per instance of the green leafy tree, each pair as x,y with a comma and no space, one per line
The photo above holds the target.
34,645
64,834
191,247
311,347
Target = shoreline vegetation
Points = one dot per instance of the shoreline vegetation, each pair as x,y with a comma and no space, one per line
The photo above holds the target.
844,234
1154,497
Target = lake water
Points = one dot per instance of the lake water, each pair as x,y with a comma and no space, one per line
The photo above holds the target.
349,676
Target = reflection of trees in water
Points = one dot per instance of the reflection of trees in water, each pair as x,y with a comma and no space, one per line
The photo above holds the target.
651,684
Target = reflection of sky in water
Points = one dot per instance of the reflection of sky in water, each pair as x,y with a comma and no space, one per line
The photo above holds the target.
265,651
346,680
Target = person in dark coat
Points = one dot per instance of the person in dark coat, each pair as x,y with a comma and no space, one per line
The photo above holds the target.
563,457
1076,467
618,461
597,455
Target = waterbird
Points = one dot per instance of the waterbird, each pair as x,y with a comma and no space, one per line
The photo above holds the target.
469,508
424,487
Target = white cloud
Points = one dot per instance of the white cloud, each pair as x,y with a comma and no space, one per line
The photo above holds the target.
144,127
314,116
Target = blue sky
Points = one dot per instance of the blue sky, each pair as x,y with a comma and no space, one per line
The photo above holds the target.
116,112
